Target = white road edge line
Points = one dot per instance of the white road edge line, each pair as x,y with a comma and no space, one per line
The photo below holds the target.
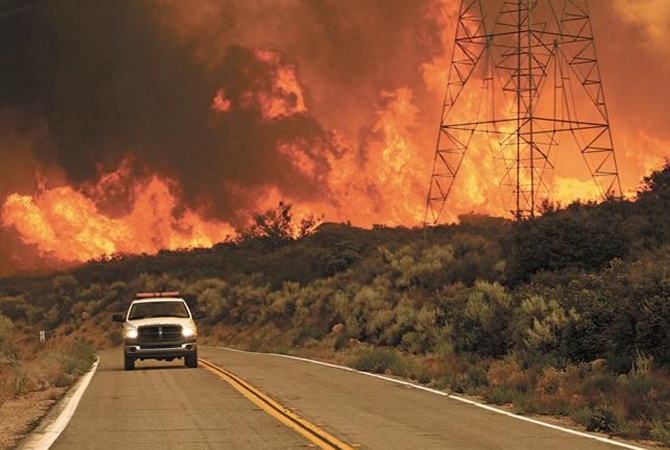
46,434
460,399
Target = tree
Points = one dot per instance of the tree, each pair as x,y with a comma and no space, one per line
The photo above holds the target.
275,227
656,187
653,202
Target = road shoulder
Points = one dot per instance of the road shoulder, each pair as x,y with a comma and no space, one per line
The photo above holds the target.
44,427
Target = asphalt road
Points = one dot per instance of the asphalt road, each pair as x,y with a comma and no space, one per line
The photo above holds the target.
166,406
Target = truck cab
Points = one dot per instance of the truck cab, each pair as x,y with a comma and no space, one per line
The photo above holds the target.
159,325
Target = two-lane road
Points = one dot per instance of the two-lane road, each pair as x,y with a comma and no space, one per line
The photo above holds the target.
167,406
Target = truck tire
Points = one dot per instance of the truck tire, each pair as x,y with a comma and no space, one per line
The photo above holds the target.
128,362
191,360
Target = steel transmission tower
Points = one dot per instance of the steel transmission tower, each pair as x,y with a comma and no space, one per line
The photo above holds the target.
521,89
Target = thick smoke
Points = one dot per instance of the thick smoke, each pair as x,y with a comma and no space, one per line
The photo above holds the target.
134,77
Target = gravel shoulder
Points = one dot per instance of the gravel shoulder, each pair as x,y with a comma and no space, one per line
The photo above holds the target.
18,417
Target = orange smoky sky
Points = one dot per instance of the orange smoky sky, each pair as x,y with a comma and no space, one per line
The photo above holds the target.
137,125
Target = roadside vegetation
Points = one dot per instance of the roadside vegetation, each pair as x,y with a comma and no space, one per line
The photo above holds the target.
566,315
28,365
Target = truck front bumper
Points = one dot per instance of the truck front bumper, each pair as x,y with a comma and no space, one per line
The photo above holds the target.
151,351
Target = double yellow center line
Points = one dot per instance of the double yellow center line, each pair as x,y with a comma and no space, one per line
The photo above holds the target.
313,433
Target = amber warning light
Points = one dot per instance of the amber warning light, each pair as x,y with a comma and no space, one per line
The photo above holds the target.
157,294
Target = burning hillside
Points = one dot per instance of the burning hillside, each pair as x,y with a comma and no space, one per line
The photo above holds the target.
134,126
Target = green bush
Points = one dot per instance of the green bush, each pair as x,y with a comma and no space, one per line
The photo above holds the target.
503,394
660,431
582,416
604,419
79,358
380,360
6,327
598,384
309,332
341,341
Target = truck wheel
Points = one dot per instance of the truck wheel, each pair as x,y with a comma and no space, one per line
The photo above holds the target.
128,362
191,360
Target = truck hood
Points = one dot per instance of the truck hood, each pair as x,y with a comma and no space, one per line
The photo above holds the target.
161,321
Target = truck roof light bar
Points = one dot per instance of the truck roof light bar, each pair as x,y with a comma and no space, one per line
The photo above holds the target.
157,294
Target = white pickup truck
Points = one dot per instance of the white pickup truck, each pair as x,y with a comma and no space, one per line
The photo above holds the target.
159,325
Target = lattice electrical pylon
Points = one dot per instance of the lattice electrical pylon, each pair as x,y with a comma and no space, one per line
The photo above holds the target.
519,89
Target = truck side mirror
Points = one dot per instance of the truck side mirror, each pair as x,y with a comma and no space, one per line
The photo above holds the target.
199,314
118,318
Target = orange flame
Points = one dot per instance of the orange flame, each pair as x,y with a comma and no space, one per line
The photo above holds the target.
66,224
386,188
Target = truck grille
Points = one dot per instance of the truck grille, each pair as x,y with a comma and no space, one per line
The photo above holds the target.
159,333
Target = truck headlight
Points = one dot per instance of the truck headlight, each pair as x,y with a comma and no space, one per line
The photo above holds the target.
131,333
188,331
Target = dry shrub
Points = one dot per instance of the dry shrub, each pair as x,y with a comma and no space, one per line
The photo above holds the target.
34,365
42,372
508,372
447,371
644,395
12,383
94,334
5,377
553,392
550,381
433,367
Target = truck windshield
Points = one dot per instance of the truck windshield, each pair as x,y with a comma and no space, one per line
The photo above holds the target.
157,309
